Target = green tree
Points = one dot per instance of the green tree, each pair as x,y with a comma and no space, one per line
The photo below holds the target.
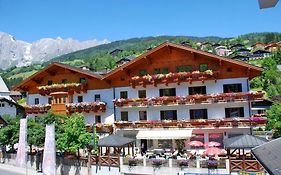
35,133
274,119
9,135
74,135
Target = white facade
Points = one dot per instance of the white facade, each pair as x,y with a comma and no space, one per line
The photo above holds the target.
7,109
214,111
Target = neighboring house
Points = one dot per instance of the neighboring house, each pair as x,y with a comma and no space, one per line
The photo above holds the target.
116,52
206,46
216,45
241,57
222,51
259,107
242,51
186,43
258,46
171,92
3,122
15,95
272,47
7,104
124,60
237,46
260,54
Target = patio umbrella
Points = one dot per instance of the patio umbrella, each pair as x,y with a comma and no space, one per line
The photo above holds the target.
195,143
212,144
213,151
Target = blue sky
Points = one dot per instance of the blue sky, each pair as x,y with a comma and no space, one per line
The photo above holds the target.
31,20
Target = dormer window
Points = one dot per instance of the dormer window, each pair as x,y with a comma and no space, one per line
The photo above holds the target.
64,81
143,72
50,82
83,80
203,67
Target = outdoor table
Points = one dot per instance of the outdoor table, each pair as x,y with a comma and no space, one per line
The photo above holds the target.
158,151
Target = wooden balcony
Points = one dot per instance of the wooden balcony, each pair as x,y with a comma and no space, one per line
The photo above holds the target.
173,78
37,109
190,99
200,123
67,87
100,128
245,165
86,107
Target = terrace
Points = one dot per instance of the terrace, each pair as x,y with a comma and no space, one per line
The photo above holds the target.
198,123
190,99
63,87
173,78
70,107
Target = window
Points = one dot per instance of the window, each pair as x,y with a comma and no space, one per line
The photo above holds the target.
50,82
97,119
97,97
142,93
142,115
124,116
203,67
234,112
80,99
143,72
165,70
164,144
184,68
198,114
3,104
83,80
197,90
216,137
228,88
167,92
198,137
50,100
64,99
36,101
168,115
157,71
64,81
123,94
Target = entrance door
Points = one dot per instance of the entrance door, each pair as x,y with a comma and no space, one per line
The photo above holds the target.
143,146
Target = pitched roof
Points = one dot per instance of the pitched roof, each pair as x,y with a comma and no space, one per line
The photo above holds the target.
243,141
260,51
10,102
269,156
3,86
72,68
168,44
115,141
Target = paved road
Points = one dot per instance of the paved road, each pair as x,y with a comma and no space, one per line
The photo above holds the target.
6,172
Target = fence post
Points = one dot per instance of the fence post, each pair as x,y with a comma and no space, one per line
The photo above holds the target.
144,160
197,163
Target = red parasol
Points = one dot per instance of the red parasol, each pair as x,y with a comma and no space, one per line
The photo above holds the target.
213,151
195,143
212,144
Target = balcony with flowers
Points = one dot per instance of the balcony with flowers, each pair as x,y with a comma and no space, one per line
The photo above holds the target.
190,99
37,109
100,128
63,87
86,107
195,123
173,78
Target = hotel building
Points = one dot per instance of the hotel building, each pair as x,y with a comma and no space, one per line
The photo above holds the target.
169,93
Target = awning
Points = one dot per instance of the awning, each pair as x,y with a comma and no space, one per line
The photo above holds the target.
164,134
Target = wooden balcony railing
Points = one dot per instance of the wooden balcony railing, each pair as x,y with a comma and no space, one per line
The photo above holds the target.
86,107
190,99
64,87
200,123
37,109
100,128
173,78
245,165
